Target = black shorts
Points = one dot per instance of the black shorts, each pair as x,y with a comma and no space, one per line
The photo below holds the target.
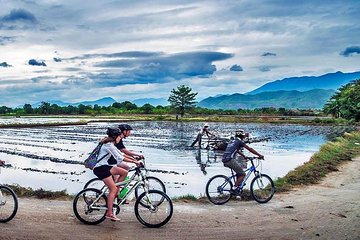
103,171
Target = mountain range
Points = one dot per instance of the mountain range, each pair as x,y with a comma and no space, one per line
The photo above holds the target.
295,92
313,99
306,83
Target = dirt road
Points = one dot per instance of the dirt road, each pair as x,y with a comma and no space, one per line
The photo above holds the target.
329,210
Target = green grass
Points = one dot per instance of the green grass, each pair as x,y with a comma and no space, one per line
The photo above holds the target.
187,197
39,193
329,157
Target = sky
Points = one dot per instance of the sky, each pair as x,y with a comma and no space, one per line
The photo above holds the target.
85,50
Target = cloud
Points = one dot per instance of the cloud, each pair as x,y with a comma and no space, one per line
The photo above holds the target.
128,54
236,68
349,51
34,62
160,69
19,15
264,68
5,64
268,54
4,40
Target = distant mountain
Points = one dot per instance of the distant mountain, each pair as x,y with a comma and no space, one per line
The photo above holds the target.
153,101
101,102
314,99
106,101
57,102
328,81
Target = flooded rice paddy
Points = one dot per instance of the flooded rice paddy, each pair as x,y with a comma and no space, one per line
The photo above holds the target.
51,157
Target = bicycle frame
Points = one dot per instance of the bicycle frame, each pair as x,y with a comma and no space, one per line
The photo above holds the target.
248,171
136,179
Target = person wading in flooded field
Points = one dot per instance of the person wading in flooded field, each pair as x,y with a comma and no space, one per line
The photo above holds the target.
201,133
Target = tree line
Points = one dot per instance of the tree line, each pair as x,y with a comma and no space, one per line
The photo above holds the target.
344,104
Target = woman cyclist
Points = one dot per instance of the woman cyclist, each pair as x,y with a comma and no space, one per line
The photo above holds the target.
108,159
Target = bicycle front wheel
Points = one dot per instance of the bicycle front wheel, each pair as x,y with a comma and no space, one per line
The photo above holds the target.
262,188
89,210
156,212
153,183
8,204
218,189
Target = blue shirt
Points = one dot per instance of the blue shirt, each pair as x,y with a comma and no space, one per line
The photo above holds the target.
232,147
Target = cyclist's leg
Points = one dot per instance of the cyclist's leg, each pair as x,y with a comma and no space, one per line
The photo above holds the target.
111,196
120,174
240,174
121,165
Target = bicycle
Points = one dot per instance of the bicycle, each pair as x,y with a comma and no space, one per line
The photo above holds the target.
90,204
8,202
152,183
262,188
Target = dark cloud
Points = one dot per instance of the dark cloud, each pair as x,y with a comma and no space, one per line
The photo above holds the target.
19,15
5,64
34,62
349,51
264,68
236,68
56,59
160,69
129,54
268,54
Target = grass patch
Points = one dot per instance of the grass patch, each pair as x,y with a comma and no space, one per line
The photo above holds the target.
329,157
187,197
39,193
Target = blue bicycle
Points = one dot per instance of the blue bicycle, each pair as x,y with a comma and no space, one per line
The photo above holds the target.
262,188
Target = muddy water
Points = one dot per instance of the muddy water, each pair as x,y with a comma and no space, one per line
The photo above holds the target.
51,157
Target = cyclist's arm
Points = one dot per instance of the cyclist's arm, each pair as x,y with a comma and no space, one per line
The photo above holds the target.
131,160
130,153
253,151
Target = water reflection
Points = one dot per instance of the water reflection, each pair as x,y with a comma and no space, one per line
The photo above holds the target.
205,158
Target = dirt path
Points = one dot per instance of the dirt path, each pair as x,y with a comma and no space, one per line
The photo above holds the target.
329,210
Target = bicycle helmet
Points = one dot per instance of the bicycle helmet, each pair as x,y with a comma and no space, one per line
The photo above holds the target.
240,133
124,127
205,125
113,132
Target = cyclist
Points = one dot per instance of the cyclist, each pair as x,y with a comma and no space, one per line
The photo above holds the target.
201,133
125,129
233,147
108,159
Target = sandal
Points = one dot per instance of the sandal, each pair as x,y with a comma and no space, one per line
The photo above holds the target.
113,218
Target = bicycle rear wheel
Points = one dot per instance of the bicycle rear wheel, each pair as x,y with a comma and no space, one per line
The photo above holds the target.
156,212
218,189
8,204
153,184
262,188
94,183
86,209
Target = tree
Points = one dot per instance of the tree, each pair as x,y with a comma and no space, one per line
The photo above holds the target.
182,99
147,108
44,108
346,102
28,108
